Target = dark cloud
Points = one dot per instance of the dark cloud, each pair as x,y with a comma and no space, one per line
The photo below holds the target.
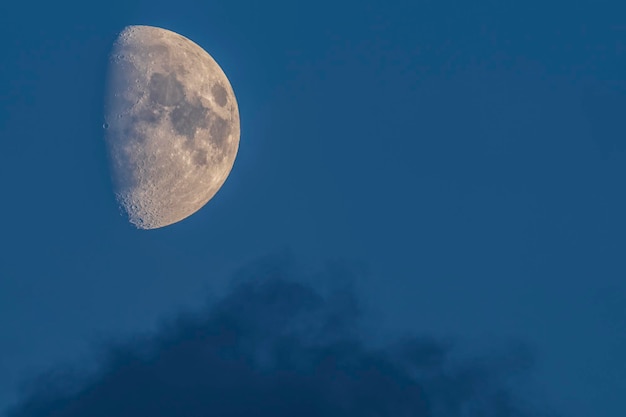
275,346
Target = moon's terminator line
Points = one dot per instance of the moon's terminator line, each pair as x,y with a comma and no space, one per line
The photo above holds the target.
172,125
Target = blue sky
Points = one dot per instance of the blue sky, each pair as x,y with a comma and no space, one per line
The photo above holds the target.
468,159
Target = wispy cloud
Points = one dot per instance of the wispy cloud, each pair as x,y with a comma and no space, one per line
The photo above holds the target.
275,346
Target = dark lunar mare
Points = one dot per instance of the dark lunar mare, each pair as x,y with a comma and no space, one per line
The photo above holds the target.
188,114
166,90
220,129
220,95
188,117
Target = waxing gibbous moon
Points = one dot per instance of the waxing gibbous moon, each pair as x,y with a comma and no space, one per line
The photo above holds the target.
171,125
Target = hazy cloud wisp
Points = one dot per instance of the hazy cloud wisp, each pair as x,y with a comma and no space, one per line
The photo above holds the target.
275,346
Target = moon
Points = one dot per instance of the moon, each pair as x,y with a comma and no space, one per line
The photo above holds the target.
171,126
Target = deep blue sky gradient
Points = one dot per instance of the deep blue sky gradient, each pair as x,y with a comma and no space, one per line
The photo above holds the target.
471,156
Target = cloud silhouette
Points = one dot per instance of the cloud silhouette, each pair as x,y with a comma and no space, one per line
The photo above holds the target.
275,346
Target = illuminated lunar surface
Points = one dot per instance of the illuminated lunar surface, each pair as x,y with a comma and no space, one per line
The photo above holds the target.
172,125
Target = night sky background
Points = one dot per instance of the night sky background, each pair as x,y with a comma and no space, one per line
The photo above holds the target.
425,217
